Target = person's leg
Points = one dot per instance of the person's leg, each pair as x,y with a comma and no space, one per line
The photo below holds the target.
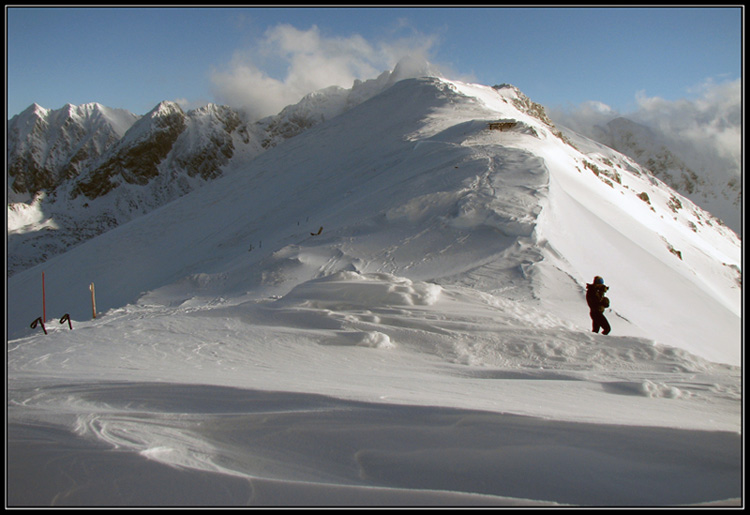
594,322
605,325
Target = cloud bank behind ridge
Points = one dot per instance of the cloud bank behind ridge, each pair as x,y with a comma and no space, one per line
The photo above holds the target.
705,131
305,61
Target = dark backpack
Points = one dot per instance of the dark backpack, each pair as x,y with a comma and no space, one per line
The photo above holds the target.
595,297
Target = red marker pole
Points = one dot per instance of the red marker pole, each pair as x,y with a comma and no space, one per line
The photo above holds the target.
44,301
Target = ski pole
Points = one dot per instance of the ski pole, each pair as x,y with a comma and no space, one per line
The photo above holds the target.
38,321
44,302
66,318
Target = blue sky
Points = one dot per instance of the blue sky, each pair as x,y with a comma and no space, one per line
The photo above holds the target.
133,58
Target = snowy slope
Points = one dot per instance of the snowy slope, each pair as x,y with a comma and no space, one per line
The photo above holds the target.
83,170
705,180
373,361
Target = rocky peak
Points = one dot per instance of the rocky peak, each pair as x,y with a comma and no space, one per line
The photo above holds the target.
135,158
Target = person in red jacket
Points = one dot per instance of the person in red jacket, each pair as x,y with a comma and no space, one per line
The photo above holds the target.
597,304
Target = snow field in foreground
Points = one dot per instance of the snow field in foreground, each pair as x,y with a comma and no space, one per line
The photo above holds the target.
406,392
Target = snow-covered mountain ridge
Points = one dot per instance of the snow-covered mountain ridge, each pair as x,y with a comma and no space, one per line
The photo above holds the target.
79,171
417,182
388,309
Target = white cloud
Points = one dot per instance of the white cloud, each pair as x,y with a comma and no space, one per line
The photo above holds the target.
705,131
585,116
288,63
708,127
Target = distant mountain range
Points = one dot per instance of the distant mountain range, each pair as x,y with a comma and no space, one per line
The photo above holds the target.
48,147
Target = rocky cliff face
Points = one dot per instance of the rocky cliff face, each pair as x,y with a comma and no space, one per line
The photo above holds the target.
136,157
208,142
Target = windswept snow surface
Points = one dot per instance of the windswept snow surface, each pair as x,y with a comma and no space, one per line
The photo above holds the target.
430,346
